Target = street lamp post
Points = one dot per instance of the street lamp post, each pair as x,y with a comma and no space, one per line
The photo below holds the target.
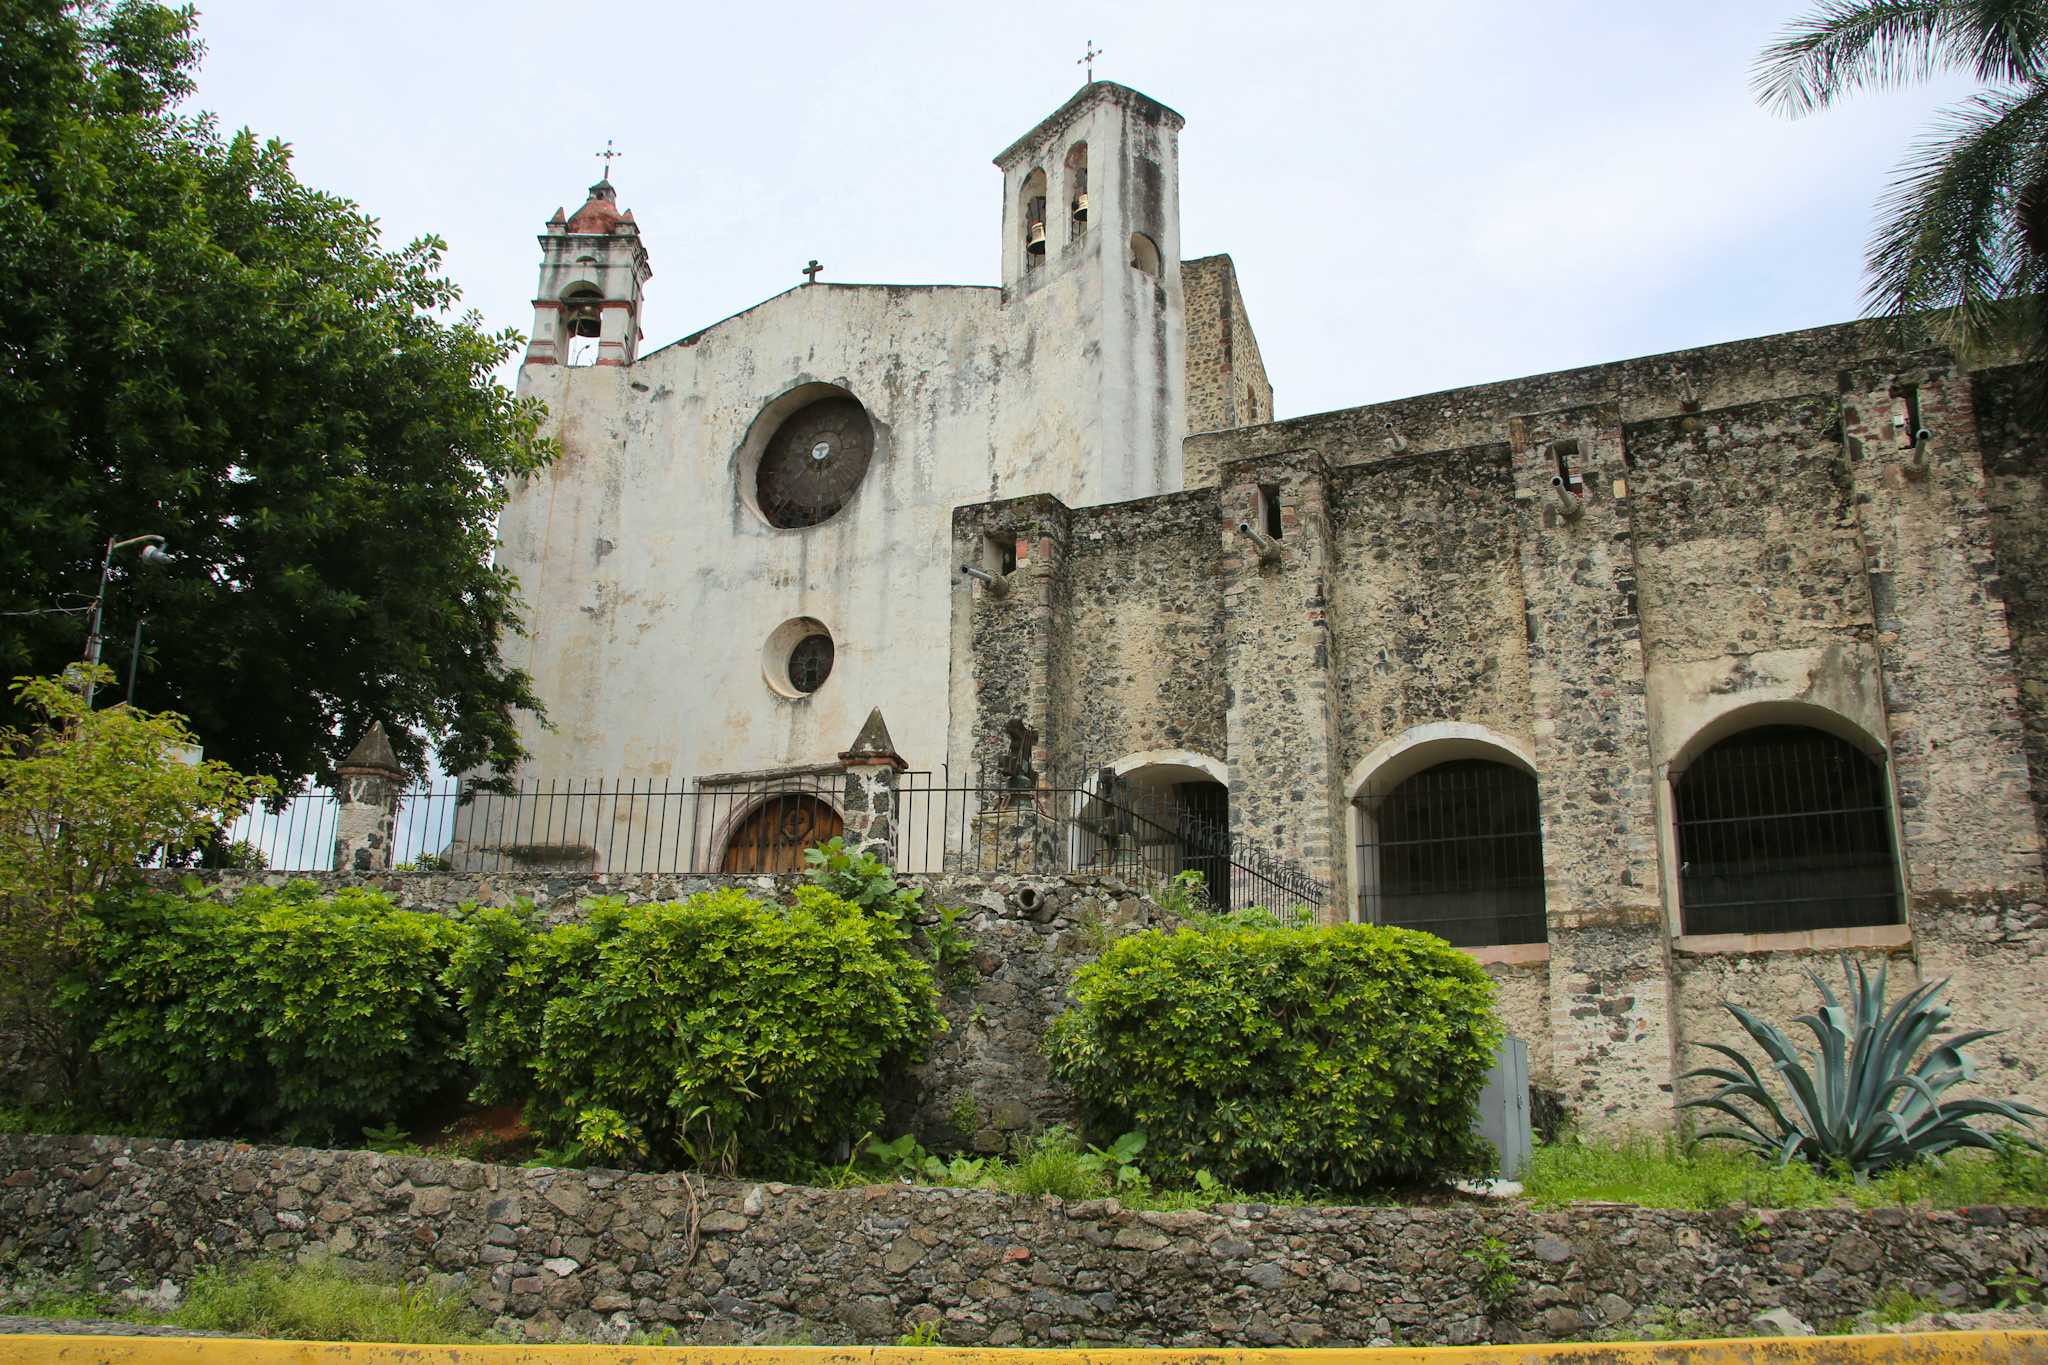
152,552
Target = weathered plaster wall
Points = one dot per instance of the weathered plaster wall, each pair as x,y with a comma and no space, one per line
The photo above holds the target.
654,582
1969,834
1227,382
600,1252
1745,532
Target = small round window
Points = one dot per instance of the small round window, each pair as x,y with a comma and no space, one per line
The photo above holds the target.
796,658
810,663
814,462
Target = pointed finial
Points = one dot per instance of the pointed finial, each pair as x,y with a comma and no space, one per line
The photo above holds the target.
1088,59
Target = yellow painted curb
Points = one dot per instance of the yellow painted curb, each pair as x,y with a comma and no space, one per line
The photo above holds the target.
1928,1348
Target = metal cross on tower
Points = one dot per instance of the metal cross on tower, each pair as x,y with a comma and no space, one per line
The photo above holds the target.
607,156
1088,60
811,271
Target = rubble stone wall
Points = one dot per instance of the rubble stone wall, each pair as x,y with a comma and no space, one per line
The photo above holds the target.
603,1253
1141,667
1747,534
1227,383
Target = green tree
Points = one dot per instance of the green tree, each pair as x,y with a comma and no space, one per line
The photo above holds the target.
1964,230
195,344
85,797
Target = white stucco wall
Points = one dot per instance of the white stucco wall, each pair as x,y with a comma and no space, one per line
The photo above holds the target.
652,582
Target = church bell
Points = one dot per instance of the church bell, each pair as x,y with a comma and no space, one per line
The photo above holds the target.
1081,208
1034,240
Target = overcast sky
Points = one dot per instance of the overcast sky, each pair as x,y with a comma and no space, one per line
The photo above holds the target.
1417,197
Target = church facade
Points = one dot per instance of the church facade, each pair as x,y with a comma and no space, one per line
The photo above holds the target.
1653,684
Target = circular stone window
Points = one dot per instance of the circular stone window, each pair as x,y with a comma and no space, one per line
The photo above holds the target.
814,462
798,657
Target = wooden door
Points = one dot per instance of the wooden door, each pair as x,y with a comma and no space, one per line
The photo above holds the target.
772,837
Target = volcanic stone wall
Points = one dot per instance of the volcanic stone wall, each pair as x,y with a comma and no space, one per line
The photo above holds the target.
1227,383
1428,613
1598,574
1142,660
1700,379
601,1253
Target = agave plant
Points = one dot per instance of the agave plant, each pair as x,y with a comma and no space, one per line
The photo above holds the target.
1861,1102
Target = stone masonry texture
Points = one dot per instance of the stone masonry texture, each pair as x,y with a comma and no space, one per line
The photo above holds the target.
602,1253
1839,529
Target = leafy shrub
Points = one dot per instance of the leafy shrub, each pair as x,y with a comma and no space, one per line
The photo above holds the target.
283,1013
863,880
705,1032
85,797
1052,1164
1497,1278
1285,1057
1871,1107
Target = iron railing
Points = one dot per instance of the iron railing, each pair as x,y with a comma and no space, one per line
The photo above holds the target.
1784,828
1457,850
1084,820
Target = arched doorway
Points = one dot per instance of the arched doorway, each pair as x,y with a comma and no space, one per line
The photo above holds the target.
1155,815
1455,848
772,836
1784,828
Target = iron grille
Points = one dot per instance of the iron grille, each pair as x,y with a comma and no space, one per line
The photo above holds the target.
1144,834
814,462
810,663
1456,850
1784,828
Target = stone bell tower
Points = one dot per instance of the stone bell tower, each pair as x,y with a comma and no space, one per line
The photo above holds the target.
1091,258
592,269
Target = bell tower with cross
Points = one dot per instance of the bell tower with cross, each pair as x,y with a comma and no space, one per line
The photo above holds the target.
593,268
1091,255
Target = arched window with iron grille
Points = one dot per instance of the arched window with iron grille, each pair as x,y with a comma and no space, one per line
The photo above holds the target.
1457,850
1784,828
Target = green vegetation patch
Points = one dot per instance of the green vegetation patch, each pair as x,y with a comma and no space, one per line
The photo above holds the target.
282,1013
1666,1175
720,1032
1283,1057
317,1299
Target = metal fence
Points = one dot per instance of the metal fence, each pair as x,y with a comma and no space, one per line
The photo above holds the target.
1087,819
1784,828
1083,820
1457,850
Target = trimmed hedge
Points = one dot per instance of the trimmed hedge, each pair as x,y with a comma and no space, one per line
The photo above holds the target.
1285,1058
714,1032
283,1013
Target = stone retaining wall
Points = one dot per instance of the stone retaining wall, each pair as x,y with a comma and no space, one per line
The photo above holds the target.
986,1077
600,1252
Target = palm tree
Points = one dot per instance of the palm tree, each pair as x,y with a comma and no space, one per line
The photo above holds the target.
1963,232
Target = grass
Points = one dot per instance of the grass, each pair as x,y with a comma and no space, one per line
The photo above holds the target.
1899,1306
312,1300
321,1300
1662,1174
